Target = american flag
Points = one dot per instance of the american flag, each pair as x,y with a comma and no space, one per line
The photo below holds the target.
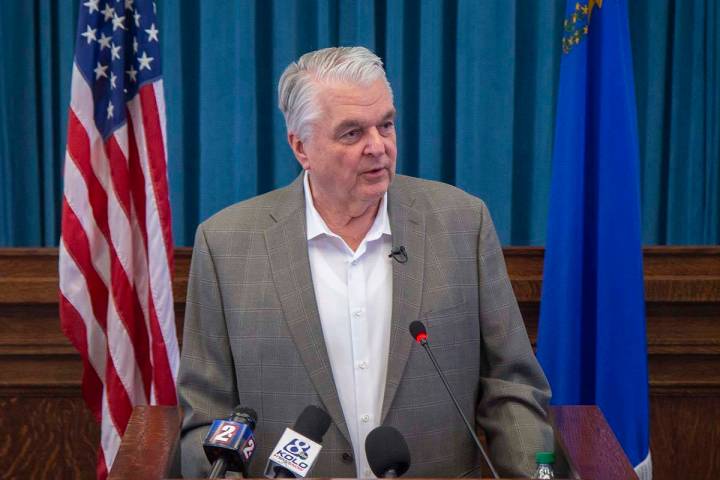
116,255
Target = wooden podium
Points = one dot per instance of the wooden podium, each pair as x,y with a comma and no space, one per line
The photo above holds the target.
586,447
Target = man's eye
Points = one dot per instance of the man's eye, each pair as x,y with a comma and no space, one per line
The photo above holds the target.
388,125
351,135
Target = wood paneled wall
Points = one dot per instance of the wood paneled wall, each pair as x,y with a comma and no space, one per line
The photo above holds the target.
46,432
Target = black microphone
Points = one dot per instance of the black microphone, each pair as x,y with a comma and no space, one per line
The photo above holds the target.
419,333
230,443
399,254
387,452
299,447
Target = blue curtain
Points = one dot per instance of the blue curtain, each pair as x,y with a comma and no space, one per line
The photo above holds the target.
475,83
36,55
676,55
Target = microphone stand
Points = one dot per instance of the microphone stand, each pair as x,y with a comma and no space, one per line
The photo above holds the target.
470,429
219,467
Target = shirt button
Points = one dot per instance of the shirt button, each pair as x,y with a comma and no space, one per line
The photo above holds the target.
357,313
365,418
363,365
347,457
353,263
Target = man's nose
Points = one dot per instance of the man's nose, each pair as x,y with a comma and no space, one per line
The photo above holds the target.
375,145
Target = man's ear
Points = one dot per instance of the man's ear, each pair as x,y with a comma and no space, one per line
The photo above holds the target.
298,148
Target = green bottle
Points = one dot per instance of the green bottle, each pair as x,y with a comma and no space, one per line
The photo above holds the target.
545,461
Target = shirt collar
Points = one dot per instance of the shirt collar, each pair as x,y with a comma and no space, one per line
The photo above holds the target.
316,226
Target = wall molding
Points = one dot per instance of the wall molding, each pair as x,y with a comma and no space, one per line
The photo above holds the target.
40,372
682,286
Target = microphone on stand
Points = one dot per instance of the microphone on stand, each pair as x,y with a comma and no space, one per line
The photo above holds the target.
230,443
387,452
299,447
419,333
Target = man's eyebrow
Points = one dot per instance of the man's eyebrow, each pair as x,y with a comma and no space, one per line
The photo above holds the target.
347,125
351,123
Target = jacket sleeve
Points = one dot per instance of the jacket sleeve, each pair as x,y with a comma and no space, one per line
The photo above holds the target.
206,380
514,393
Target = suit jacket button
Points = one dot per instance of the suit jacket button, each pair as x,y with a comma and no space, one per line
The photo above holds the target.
347,457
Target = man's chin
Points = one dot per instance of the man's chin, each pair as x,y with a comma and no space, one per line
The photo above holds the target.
374,184
376,191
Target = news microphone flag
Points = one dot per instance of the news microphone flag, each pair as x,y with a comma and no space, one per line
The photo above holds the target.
116,249
232,436
229,444
294,452
591,338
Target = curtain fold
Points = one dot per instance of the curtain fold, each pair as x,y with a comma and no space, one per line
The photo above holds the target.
675,55
474,81
35,65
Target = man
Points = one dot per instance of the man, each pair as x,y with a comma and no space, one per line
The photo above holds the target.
294,300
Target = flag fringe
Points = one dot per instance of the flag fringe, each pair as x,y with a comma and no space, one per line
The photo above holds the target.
644,468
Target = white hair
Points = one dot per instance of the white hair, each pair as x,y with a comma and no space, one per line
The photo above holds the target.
297,88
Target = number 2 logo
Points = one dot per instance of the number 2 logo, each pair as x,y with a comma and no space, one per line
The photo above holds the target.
249,448
225,434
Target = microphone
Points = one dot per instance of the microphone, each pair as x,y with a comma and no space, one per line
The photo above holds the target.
419,333
299,447
399,254
230,443
387,452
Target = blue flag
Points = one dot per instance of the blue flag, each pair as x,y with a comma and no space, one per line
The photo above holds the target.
591,339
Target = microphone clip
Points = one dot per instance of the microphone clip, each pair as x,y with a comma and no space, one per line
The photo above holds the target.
399,254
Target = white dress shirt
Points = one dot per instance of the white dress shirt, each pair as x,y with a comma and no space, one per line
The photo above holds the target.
354,296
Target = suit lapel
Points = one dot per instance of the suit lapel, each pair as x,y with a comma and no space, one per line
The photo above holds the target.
408,230
287,248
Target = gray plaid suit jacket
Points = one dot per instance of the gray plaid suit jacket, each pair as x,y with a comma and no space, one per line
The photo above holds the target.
252,335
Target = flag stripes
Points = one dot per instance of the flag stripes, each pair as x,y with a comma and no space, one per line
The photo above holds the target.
116,255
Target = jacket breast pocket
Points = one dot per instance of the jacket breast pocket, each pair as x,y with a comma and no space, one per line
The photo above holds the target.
442,304
452,322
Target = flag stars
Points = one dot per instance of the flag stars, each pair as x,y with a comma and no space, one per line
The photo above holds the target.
100,71
108,11
92,6
152,33
115,51
145,61
132,73
120,69
89,34
104,41
117,22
